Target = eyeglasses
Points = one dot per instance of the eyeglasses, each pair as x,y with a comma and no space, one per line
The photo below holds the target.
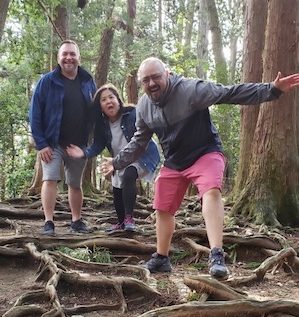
156,77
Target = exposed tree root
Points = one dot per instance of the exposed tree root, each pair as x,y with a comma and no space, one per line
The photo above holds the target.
199,249
25,311
120,244
14,213
294,260
105,268
275,260
65,286
206,284
236,308
8,251
57,278
258,274
261,241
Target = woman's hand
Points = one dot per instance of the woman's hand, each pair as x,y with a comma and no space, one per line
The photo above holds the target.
74,151
106,167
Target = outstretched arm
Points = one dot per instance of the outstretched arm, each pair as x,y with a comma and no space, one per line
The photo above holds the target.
287,83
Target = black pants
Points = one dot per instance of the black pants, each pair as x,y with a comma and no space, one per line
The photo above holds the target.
125,198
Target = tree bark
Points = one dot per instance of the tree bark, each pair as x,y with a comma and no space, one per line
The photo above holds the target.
3,13
62,21
202,40
271,193
131,81
160,26
236,17
254,40
217,45
36,183
191,4
106,41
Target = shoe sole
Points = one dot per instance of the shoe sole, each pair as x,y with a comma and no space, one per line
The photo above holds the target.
219,277
78,231
130,229
52,234
160,270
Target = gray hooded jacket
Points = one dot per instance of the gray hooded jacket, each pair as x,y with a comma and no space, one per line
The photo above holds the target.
181,119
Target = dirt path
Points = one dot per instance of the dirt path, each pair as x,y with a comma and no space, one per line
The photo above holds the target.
18,273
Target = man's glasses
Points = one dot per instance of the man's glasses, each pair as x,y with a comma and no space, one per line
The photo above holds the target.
146,80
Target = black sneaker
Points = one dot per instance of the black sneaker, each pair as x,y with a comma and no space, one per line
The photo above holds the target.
217,265
49,228
80,227
158,264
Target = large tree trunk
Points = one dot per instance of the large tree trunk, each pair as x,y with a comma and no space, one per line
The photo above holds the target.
106,41
160,27
3,13
190,10
202,40
62,21
236,18
254,39
271,193
217,45
36,183
131,81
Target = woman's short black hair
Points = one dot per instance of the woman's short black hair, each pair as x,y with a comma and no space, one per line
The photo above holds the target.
113,89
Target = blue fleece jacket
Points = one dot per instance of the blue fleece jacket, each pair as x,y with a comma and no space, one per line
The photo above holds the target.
46,108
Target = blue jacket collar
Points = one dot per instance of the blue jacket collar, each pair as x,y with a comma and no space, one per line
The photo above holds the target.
82,73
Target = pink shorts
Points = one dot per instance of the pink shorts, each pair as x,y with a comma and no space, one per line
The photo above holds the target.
170,186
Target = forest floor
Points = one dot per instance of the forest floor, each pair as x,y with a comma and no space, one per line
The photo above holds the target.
31,263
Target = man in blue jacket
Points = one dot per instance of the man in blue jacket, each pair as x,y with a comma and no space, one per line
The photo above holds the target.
176,109
60,114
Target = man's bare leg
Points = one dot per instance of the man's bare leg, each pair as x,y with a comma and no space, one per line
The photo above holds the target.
165,225
48,197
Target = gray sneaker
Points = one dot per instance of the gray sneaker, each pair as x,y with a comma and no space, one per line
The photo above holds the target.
217,265
80,227
158,264
129,224
49,228
116,227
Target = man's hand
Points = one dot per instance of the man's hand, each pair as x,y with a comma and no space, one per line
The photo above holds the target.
46,154
74,151
287,83
106,167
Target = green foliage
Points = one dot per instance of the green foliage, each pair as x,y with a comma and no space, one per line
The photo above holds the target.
79,253
184,62
193,296
252,265
199,266
162,284
97,254
232,252
227,121
19,179
179,255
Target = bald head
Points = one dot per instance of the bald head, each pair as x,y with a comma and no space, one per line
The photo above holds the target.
153,76
151,61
